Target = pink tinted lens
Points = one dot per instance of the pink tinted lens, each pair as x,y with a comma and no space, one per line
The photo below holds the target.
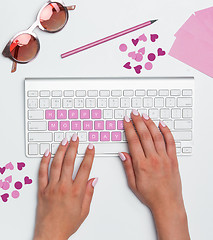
24,47
53,17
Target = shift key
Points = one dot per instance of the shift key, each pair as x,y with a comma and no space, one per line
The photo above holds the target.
40,137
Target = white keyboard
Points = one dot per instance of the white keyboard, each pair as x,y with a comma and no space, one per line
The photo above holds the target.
94,109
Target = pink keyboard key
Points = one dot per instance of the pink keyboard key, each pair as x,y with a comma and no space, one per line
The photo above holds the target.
88,125
110,125
64,125
53,126
105,136
62,114
73,114
76,125
96,114
50,114
120,125
93,136
99,125
85,114
116,136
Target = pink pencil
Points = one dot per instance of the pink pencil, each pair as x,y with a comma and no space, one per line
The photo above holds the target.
106,39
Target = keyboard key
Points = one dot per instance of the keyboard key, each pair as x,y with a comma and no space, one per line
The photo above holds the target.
169,123
56,103
108,114
120,125
85,114
165,113
35,114
50,114
82,136
90,103
119,113
88,125
40,137
116,136
102,102
128,93
92,93
187,113
116,93
105,136
151,92
170,102
142,111
99,125
183,124
32,103
154,113
44,147
76,125
125,102
44,93
110,125
64,125
37,126
113,102
128,112
147,102
184,102
79,103
187,92
175,92
159,102
44,103
62,114
136,103
67,103
80,93
57,93
68,93
182,136
54,148
187,150
53,126
96,114
163,92
59,136
104,93
69,135
140,93
32,93
93,136
73,114
33,149
176,113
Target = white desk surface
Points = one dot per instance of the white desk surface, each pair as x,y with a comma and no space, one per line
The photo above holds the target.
115,212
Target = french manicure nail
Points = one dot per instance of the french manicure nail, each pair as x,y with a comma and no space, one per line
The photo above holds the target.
122,157
135,112
145,116
64,142
74,137
47,152
163,124
90,146
94,182
126,118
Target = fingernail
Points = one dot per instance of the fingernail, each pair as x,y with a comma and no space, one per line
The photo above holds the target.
135,112
122,157
94,182
90,146
64,142
163,124
47,152
145,116
74,137
126,118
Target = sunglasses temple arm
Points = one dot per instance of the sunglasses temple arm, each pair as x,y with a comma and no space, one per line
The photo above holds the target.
14,67
71,7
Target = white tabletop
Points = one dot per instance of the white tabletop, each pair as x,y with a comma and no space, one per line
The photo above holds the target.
115,211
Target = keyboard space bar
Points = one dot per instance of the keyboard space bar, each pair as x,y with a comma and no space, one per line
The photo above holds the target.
105,148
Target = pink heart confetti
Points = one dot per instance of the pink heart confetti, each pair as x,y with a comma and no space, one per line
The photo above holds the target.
161,52
153,37
6,185
20,166
135,41
27,180
5,197
143,38
127,65
142,50
139,57
9,179
132,55
138,69
9,166
2,170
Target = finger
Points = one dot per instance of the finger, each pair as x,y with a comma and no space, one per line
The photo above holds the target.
88,197
169,139
69,159
55,169
156,135
143,133
43,171
134,144
128,167
85,168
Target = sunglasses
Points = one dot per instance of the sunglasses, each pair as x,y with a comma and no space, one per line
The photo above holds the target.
24,46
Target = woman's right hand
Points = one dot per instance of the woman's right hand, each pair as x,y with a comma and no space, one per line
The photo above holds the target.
153,174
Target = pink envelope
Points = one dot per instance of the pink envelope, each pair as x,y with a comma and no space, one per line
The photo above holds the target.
206,17
193,51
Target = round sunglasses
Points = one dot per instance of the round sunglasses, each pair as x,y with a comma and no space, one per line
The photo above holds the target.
24,46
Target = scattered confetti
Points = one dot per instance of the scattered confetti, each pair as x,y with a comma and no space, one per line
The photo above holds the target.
151,57
15,194
161,52
154,37
143,38
123,47
9,179
135,41
2,170
20,165
6,185
27,180
138,69
148,66
139,57
9,166
5,197
142,50
18,185
132,55
127,65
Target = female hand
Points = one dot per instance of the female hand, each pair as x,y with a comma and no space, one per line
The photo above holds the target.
63,203
153,175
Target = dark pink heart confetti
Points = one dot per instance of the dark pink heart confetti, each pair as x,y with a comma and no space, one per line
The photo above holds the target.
135,41
27,180
2,170
127,65
138,69
161,52
153,37
5,197
20,166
